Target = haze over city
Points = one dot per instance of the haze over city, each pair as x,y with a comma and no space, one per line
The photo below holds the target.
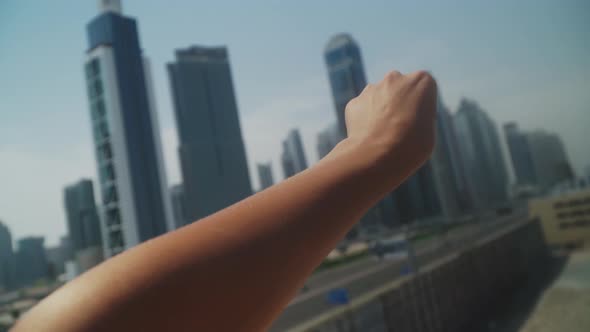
527,62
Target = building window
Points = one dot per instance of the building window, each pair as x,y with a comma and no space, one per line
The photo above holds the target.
110,172
98,109
113,217
116,239
98,87
92,68
105,151
110,195
103,129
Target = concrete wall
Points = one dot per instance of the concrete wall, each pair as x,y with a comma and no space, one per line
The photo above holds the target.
449,294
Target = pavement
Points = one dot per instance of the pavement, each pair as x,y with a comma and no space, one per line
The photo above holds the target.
565,305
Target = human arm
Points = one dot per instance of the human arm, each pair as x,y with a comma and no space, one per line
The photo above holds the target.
237,269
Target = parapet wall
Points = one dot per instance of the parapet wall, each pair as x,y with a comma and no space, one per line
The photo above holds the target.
449,294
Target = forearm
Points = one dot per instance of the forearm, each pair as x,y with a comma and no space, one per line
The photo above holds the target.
237,269
247,261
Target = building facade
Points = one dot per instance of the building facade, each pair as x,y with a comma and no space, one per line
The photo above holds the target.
520,154
31,260
82,216
6,258
293,157
212,154
482,156
549,159
565,218
346,73
178,205
265,175
126,135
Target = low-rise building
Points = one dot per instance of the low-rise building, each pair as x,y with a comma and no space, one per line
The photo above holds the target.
565,218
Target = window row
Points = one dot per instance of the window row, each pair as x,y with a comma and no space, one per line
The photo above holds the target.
575,224
105,153
572,203
92,68
98,109
101,131
572,214
113,217
116,239
95,88
110,195
107,173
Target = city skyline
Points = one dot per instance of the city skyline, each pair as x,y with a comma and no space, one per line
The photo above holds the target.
309,93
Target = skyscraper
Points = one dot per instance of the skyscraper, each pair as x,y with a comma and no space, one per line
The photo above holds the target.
82,217
520,154
346,73
293,157
31,260
481,154
549,158
446,172
265,175
6,258
178,205
327,140
136,206
212,154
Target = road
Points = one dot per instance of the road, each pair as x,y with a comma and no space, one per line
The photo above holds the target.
364,275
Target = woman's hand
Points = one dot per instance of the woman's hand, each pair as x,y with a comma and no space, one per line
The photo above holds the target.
392,122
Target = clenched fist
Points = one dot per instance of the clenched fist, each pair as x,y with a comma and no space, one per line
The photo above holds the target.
395,120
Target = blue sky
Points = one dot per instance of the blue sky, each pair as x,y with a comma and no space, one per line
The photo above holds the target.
525,61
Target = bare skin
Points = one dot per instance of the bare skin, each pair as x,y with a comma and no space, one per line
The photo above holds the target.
237,269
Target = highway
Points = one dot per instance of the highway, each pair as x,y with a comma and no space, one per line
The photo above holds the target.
369,273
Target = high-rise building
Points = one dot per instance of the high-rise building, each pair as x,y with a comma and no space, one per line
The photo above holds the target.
128,150
481,153
346,73
293,157
6,258
212,154
520,154
178,205
463,185
83,223
549,158
265,175
418,197
31,260
327,140
56,259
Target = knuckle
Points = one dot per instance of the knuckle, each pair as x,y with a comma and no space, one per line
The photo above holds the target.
423,75
392,75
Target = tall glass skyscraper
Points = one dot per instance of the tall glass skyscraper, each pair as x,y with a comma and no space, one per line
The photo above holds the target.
520,154
133,185
293,157
346,73
480,149
549,158
265,175
212,153
6,258
82,216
